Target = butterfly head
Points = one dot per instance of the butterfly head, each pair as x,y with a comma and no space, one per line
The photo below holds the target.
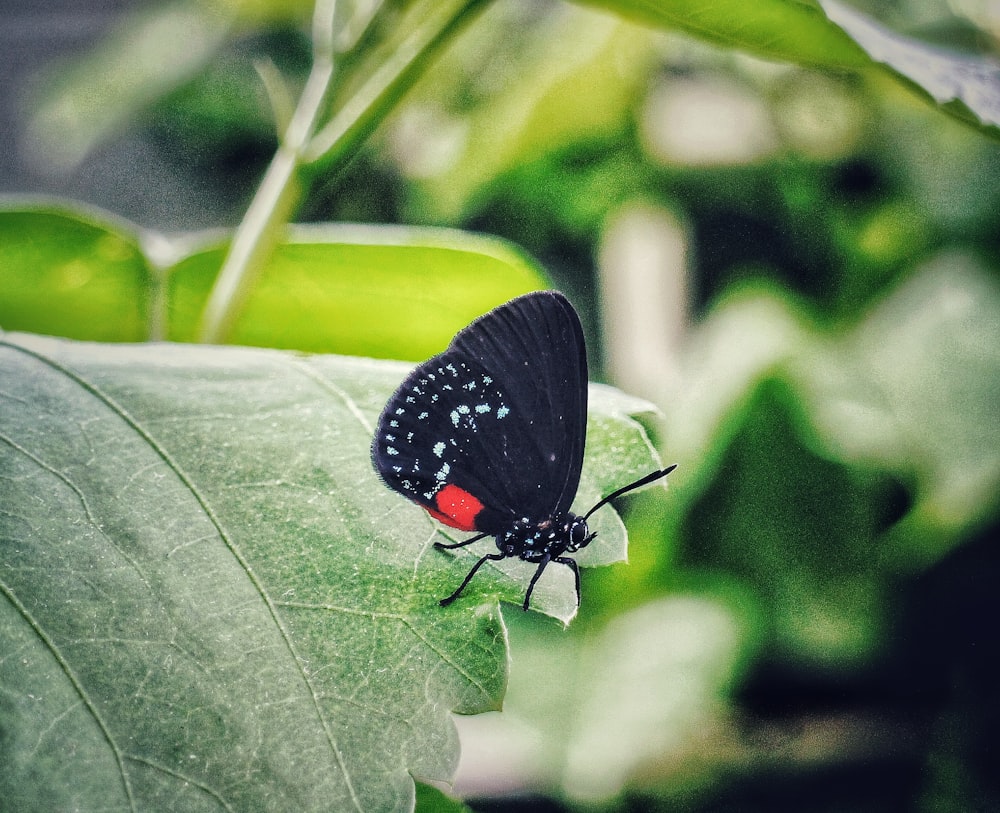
534,541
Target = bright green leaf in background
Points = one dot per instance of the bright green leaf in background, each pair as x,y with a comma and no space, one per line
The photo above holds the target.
363,290
209,600
73,274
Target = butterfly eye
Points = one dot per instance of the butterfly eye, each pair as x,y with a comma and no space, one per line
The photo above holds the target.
578,533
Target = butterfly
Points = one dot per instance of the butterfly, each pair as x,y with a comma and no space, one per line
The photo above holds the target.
488,436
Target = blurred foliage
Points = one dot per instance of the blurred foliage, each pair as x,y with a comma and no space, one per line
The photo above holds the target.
820,579
86,276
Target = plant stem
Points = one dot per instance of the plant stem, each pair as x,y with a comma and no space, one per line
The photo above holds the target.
277,196
284,184
378,96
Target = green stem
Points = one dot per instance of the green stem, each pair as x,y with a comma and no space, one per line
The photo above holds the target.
278,195
284,184
336,143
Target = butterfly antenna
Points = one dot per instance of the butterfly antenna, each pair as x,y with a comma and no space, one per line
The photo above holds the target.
649,478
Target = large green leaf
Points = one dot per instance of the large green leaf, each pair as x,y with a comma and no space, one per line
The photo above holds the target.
72,272
209,602
389,292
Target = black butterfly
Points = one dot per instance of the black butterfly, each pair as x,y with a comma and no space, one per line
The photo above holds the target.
488,436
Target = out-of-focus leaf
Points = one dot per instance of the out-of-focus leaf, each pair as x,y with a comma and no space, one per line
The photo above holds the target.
793,30
910,389
585,714
361,290
796,485
968,86
797,529
73,273
209,602
745,337
914,390
577,80
152,51
798,31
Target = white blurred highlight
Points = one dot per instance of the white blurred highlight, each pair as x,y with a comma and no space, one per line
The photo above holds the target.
643,266
704,122
658,673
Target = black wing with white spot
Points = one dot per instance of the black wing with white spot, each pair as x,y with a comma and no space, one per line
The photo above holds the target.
500,417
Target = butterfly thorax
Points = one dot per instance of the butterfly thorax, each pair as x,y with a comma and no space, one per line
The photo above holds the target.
534,541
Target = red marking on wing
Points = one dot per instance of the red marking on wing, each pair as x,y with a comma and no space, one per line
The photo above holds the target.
456,507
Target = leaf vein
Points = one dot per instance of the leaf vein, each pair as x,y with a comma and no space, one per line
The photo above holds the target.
203,503
182,776
83,503
349,402
78,687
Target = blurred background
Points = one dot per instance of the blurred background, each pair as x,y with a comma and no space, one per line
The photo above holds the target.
799,267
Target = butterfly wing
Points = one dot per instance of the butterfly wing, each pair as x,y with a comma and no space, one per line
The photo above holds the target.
493,429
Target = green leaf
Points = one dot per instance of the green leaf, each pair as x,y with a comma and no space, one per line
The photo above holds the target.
909,389
793,30
797,529
209,602
363,290
828,33
967,85
74,273
913,389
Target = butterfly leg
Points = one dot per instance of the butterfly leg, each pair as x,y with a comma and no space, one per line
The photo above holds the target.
534,578
565,560
453,545
496,557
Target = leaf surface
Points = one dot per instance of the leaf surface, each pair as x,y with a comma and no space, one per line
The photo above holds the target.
209,601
